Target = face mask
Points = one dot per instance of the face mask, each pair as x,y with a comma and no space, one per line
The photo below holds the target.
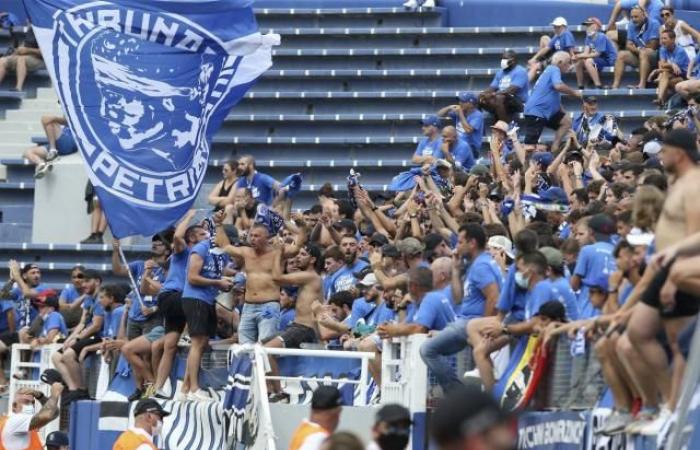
505,64
520,280
393,441
590,33
28,409
157,429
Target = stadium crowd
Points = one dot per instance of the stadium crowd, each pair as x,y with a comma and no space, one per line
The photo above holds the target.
591,235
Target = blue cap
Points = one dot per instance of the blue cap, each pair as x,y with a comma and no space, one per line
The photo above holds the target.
555,195
432,121
600,282
468,97
543,158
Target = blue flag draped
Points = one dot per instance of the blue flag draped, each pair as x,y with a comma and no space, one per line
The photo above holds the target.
145,85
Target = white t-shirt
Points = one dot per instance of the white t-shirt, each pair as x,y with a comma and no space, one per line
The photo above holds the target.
15,434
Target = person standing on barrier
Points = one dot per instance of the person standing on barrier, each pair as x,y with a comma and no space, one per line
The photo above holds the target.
326,407
20,430
148,423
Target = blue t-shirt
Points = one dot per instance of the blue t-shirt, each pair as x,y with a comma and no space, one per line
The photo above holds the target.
545,100
112,321
516,76
434,312
94,309
579,119
463,155
624,293
69,294
562,42
361,310
207,294
137,269
593,261
261,187
5,306
600,43
482,272
696,67
562,292
426,147
643,34
677,56
54,321
177,273
287,316
512,299
536,297
475,119
25,312
342,279
381,314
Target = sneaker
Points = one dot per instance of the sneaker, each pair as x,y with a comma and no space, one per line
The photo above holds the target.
161,395
278,397
94,238
41,171
654,427
428,4
136,395
411,4
470,374
200,396
181,397
645,417
616,423
51,155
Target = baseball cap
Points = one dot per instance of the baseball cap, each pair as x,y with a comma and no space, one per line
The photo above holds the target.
443,163
48,297
509,53
600,281
553,256
393,413
27,267
369,280
149,405
479,169
554,310
468,97
465,411
500,125
590,99
431,120
555,194
559,22
326,397
652,148
378,239
593,20
410,246
543,158
391,251
57,439
503,243
637,236
602,225
685,140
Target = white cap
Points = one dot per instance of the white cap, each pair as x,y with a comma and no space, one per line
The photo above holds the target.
443,163
652,148
369,280
560,22
503,243
637,236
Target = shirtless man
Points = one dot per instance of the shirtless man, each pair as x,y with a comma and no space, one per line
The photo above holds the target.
662,303
261,310
303,328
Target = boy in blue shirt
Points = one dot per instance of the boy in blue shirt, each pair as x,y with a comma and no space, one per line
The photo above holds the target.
428,149
599,52
262,187
640,50
673,66
288,296
54,327
508,91
561,41
543,108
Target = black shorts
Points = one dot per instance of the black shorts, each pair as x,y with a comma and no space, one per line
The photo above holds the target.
533,126
8,338
297,334
200,316
621,39
82,343
170,305
686,304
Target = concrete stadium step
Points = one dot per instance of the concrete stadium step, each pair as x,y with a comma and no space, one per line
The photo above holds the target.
16,213
341,17
98,255
14,232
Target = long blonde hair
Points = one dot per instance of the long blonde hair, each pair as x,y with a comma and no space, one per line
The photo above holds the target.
647,207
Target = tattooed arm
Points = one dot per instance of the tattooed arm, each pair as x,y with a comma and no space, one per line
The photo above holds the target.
49,409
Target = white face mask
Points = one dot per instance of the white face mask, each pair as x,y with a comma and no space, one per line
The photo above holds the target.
504,64
158,429
590,33
28,409
521,281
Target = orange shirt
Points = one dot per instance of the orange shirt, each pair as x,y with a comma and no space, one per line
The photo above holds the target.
308,436
134,439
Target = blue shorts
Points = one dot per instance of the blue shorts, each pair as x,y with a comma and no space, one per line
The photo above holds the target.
600,63
65,144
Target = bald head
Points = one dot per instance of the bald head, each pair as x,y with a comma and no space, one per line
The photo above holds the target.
449,134
246,165
442,271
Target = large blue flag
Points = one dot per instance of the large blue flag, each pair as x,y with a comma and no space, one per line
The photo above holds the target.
145,85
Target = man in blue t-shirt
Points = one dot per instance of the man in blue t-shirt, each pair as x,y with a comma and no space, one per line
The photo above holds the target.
457,151
508,91
27,287
592,124
543,108
673,66
640,50
428,149
468,120
598,53
482,284
561,41
263,187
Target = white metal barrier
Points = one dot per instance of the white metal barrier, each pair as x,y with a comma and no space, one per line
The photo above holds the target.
401,357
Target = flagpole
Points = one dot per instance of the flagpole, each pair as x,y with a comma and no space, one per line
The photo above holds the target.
131,277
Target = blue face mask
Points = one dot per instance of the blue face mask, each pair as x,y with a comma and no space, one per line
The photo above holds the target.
521,281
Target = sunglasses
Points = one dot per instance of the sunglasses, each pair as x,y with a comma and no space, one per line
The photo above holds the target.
79,276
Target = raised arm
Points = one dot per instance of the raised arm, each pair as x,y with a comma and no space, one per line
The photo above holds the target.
49,410
117,267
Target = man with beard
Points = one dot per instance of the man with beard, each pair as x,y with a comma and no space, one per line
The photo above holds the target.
260,314
411,249
303,328
342,277
262,186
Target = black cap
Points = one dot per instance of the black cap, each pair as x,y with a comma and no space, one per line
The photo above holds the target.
590,99
390,251
148,405
554,310
602,225
90,274
465,410
508,54
378,239
27,267
685,140
393,413
57,439
326,397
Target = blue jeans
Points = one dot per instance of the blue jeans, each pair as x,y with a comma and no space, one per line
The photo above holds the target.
449,341
259,321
